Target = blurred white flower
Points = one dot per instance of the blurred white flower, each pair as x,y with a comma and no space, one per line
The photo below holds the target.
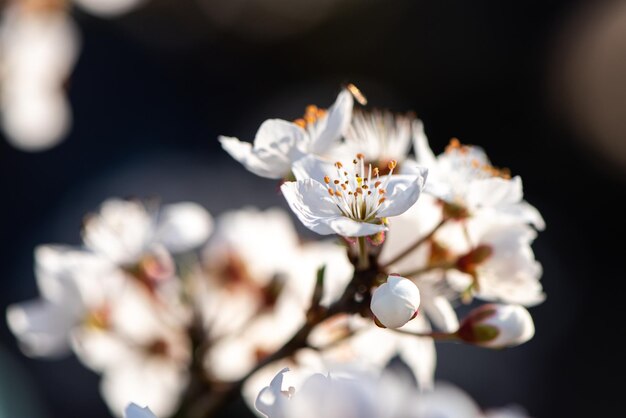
498,262
345,393
258,285
497,326
279,143
124,231
135,411
464,177
108,8
143,353
355,202
78,289
395,302
38,50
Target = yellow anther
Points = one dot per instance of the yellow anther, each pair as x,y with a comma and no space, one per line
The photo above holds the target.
300,122
356,93
392,164
326,179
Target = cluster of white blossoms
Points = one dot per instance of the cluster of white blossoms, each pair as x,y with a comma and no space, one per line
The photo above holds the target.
39,45
182,314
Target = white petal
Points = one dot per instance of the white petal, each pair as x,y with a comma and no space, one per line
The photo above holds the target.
313,167
309,200
135,411
145,381
347,227
270,400
98,349
183,226
441,313
276,146
424,154
333,125
494,191
41,327
120,231
260,163
72,278
446,401
403,192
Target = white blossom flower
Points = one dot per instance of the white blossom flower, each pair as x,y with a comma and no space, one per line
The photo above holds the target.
354,202
395,302
497,263
76,288
258,285
135,411
142,351
279,143
497,325
463,176
124,231
346,393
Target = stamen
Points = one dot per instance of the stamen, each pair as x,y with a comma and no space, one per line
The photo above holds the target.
326,179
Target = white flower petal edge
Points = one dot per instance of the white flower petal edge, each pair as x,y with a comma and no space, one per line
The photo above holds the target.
333,125
276,147
135,411
183,226
271,401
309,200
404,190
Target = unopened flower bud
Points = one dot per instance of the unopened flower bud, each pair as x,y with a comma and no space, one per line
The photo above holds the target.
497,326
396,302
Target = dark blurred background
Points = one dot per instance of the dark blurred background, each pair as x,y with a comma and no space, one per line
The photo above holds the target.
539,84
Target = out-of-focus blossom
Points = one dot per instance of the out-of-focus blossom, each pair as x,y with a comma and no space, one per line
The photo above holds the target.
354,340
354,202
344,393
143,352
464,178
497,325
258,285
381,135
395,302
108,8
125,231
498,262
78,289
279,143
135,411
38,49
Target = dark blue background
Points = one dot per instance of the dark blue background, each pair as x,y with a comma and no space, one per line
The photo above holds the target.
153,90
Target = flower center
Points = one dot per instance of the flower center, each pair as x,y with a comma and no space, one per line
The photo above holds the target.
360,193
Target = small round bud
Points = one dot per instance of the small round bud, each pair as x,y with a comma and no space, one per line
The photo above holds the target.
497,326
396,302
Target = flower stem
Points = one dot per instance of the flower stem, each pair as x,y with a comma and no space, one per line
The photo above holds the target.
417,272
363,256
435,335
416,244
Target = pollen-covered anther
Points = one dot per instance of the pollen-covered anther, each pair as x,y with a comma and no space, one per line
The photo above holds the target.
391,165
360,193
